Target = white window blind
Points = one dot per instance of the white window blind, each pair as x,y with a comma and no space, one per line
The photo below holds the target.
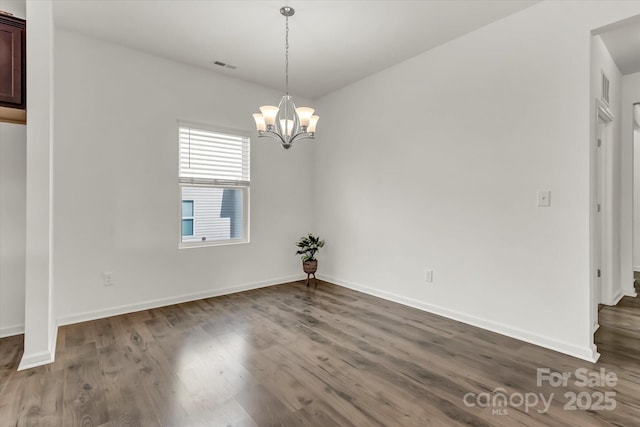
215,158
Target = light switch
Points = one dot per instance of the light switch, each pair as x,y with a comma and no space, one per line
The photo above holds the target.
428,275
544,198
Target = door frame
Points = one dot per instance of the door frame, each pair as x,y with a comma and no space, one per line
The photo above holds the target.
631,292
601,222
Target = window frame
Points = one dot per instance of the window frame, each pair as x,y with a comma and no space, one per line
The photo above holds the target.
244,187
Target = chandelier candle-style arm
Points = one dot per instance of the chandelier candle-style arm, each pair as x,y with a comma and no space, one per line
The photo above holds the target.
286,123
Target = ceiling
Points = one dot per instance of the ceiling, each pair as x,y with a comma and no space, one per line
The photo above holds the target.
332,43
623,43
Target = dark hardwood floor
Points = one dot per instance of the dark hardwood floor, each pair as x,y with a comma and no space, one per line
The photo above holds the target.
292,356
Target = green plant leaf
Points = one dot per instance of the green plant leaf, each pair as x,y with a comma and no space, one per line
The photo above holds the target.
309,246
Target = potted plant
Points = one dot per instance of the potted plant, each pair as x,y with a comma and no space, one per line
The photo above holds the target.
308,246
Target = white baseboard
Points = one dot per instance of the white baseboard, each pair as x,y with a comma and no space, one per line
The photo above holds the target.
161,302
34,360
617,297
585,353
9,331
630,291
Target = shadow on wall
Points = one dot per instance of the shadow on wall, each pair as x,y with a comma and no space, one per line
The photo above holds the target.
231,206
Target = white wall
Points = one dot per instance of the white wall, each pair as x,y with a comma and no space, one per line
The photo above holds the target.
435,163
117,201
12,227
635,139
630,96
601,61
13,142
16,7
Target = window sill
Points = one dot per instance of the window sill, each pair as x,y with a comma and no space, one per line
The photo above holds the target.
200,244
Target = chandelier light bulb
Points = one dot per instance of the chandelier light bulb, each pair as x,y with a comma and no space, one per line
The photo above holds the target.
286,126
261,125
304,114
312,124
269,113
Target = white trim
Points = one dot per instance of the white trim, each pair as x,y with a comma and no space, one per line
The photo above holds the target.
35,360
248,133
599,223
604,111
9,331
585,353
617,297
636,269
29,361
607,262
161,302
604,91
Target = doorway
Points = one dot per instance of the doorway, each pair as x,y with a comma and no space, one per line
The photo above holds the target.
615,172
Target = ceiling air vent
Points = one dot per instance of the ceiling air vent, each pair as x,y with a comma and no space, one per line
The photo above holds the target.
605,88
224,65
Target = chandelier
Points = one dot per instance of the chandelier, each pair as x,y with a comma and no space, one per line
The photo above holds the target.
286,123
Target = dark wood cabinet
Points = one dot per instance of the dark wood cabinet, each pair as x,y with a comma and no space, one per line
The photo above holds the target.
12,62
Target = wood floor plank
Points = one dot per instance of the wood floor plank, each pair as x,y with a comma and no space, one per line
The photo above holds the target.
10,354
84,402
320,413
261,404
43,393
122,385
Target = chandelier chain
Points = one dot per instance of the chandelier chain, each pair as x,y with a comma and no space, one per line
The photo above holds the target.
286,57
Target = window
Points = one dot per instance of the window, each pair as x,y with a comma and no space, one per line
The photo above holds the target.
187,218
214,186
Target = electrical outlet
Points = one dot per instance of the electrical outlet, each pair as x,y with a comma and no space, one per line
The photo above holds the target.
107,277
544,198
428,275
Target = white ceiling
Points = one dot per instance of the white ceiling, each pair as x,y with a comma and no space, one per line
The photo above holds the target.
332,43
623,43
